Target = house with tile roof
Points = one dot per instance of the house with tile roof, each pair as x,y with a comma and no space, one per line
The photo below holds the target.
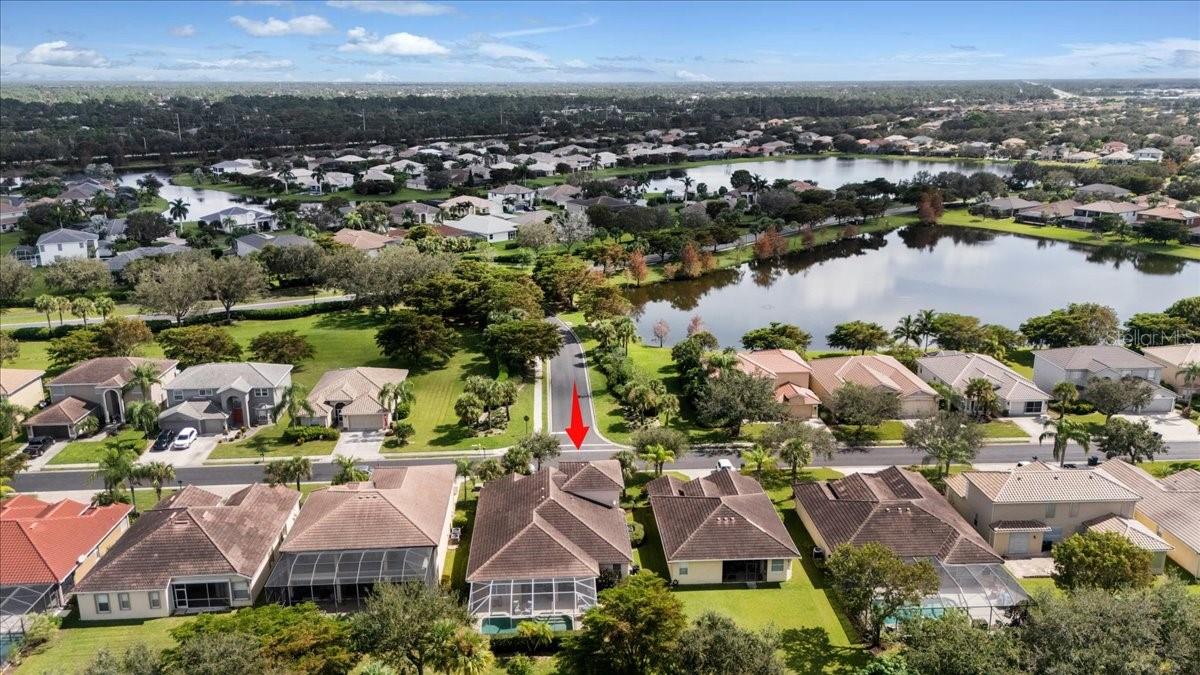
875,371
364,240
21,386
255,242
393,528
1050,212
50,547
65,243
1017,395
96,387
234,217
1086,214
1079,365
456,207
1022,513
1174,359
349,399
539,545
214,397
414,213
193,552
1169,507
720,529
789,374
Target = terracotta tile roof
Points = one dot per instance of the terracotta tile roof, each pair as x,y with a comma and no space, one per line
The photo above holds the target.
67,411
1175,354
771,362
399,508
1173,508
722,516
42,542
1138,534
529,527
871,370
1043,485
358,388
957,369
177,538
109,370
595,476
789,392
363,240
896,508
13,380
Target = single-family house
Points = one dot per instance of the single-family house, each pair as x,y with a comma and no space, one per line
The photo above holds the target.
414,213
99,387
720,529
249,217
49,548
338,180
790,377
1078,365
1017,395
1172,213
540,542
1006,206
537,216
1169,507
364,240
875,371
1148,155
1114,146
213,397
1086,214
256,242
559,194
1174,359
466,205
580,206
511,194
242,166
10,213
1102,190
1049,213
392,528
1023,512
350,399
380,150
193,552
120,261
1118,157
21,387
486,227
899,509
63,244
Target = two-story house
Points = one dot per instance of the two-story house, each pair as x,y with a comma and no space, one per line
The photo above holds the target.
1086,214
1023,512
790,376
1078,365
213,397
97,387
515,195
62,244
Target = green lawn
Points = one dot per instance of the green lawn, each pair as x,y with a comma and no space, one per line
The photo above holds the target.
888,431
271,440
1162,469
1003,429
454,571
1093,421
1021,361
75,644
88,452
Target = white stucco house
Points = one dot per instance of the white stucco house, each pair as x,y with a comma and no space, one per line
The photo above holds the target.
62,244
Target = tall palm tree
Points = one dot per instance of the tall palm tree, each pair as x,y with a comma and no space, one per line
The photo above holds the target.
924,324
687,185
907,330
395,395
284,471
83,307
158,474
657,455
294,402
116,466
348,471
143,376
105,306
1190,374
287,177
625,330
179,209
982,395
142,415
62,306
1064,393
319,176
46,304
1063,431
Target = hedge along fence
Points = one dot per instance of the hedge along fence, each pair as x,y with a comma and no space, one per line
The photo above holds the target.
31,334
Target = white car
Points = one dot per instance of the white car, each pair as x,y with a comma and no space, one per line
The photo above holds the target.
185,438
724,465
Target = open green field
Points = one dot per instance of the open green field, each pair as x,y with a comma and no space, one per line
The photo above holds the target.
76,643
88,452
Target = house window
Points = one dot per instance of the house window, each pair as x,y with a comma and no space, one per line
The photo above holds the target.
778,565
177,396
1074,509
206,392
1051,509
1033,407
155,599
241,590
262,393
123,602
682,570
102,606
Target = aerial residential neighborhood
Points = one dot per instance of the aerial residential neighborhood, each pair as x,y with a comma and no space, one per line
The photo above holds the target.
468,338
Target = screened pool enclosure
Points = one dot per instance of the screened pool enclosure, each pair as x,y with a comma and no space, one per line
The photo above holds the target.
345,577
565,596
984,592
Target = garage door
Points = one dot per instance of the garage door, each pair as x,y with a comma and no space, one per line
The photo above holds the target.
1018,543
362,422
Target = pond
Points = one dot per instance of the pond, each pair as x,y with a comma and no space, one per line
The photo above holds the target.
828,172
200,202
1000,278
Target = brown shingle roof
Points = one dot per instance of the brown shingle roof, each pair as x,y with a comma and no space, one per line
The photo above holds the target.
530,527
600,475
896,508
399,508
722,516
211,537
112,370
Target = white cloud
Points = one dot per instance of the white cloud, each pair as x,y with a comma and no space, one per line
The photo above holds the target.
377,76
396,44
60,53
692,77
309,24
575,63
541,30
1121,59
235,64
495,50
186,30
396,7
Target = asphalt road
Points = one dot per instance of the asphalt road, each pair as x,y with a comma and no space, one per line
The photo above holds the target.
569,368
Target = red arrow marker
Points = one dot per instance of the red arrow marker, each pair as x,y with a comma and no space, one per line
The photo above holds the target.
578,430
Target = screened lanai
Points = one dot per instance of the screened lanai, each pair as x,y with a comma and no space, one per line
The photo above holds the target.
345,577
985,592
525,598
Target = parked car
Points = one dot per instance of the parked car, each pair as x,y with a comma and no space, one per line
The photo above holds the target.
163,441
724,465
185,438
38,445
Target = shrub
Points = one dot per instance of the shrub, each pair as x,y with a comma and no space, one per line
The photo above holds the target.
402,431
519,665
302,435
637,534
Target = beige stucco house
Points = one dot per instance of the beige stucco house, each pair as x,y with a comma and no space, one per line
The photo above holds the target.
790,376
1170,508
96,387
1173,359
875,371
349,399
21,387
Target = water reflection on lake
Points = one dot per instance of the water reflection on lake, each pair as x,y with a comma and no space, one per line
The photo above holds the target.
1000,278
828,172
201,202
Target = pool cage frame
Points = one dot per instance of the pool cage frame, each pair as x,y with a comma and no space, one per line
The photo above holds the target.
985,592
304,573
558,596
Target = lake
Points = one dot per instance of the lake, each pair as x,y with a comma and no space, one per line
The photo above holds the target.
1000,278
828,172
201,202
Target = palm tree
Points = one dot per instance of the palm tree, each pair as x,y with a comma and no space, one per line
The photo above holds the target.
46,304
949,395
1190,374
687,185
1064,393
489,469
62,306
465,469
294,402
982,395
907,330
284,471
142,415
657,455
397,395
158,473
10,416
143,376
722,360
1063,431
116,466
924,325
104,306
287,177
798,453
760,457
353,220
347,471
83,307
625,330
319,176
461,650
179,209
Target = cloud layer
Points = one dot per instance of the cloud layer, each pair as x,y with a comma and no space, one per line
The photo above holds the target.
309,24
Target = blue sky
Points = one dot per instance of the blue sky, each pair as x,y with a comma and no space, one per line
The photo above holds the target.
382,41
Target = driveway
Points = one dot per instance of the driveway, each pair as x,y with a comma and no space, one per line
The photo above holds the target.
1172,426
360,444
193,456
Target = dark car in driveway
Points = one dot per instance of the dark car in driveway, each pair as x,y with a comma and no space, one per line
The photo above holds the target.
163,441
38,445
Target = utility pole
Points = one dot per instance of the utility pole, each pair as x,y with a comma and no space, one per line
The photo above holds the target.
178,128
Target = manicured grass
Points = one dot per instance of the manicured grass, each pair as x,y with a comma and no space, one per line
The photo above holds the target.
88,452
271,439
890,430
1033,585
1162,469
76,643
1003,429
454,571
1021,361
960,218
1093,421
